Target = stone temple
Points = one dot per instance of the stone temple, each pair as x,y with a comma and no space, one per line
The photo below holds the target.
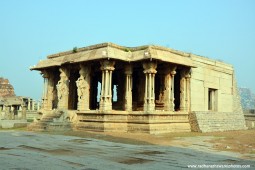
146,89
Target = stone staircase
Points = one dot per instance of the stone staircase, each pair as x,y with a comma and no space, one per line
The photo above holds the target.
51,122
216,121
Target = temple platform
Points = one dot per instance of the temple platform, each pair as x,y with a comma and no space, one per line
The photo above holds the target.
135,122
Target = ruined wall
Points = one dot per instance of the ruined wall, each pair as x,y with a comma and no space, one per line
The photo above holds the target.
6,89
211,74
250,120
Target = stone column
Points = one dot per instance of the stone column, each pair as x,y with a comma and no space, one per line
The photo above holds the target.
29,104
149,96
83,87
188,91
49,92
45,85
182,91
168,86
63,88
11,113
38,105
128,88
172,105
107,67
185,90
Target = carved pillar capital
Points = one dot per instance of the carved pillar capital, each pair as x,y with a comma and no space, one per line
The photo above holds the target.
128,69
150,67
45,74
64,73
107,65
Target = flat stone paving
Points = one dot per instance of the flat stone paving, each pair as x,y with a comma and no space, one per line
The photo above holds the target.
29,150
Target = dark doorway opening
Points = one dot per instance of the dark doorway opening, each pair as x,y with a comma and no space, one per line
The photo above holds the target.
138,88
177,79
73,97
118,89
95,88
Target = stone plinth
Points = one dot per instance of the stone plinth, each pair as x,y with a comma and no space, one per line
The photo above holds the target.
135,122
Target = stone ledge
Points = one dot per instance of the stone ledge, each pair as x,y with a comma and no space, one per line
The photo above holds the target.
6,124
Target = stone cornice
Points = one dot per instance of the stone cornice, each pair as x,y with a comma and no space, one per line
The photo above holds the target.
123,48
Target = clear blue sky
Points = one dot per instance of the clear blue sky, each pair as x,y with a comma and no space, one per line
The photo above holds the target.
30,30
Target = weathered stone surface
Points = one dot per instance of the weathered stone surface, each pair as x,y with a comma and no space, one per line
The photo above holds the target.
6,89
43,151
6,124
250,120
217,121
135,122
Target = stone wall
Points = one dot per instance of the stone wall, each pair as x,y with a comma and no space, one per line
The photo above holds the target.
250,120
211,74
6,89
216,121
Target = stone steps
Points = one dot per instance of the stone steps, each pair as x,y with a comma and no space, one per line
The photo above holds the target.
217,121
47,123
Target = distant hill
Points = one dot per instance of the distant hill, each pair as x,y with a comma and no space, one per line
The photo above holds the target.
6,89
247,98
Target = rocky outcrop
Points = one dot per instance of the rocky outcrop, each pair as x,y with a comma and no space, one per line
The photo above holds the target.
247,98
6,89
237,105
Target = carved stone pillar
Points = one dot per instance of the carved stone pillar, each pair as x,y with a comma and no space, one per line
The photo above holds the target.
128,88
182,91
83,87
169,73
188,75
49,92
29,104
63,88
172,105
45,85
185,90
38,105
149,96
107,67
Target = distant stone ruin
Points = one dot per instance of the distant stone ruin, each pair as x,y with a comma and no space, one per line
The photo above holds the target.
15,110
6,89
